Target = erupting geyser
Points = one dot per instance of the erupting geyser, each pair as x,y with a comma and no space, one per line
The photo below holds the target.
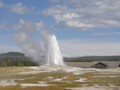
53,54
46,52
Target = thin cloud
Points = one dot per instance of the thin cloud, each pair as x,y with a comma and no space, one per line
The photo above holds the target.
19,8
1,4
86,13
106,34
84,48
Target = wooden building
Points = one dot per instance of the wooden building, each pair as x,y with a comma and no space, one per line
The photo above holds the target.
99,65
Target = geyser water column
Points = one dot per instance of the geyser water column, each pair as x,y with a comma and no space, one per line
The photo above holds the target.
53,54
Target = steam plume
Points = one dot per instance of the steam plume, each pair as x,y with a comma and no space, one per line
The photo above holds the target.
30,46
46,52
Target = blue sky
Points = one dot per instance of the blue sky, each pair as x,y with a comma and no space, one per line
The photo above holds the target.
83,27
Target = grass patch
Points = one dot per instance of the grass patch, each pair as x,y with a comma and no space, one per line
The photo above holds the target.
10,87
68,79
92,79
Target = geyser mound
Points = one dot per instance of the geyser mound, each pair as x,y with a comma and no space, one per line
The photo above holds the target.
53,55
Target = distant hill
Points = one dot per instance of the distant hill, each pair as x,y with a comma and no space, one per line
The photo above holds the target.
14,54
16,59
92,58
19,59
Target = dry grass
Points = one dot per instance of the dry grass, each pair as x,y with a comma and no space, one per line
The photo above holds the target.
91,79
102,79
10,88
13,69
